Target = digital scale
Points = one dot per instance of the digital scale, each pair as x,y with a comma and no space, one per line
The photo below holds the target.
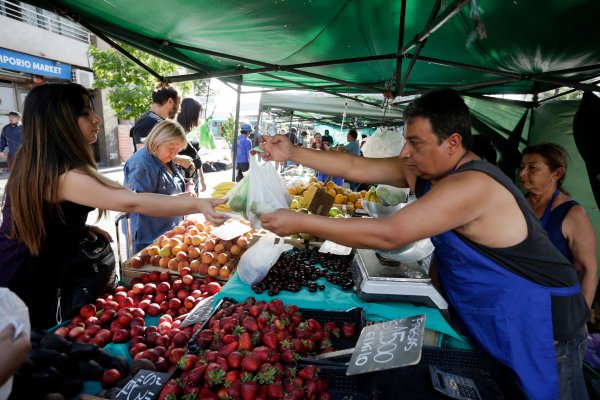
403,279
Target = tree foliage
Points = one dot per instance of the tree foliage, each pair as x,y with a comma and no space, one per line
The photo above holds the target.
227,130
129,85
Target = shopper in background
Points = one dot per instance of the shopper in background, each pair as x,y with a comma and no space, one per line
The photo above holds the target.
328,140
244,145
165,104
189,118
542,174
303,140
11,138
51,190
512,291
152,170
352,147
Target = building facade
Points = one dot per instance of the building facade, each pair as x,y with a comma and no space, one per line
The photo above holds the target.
38,46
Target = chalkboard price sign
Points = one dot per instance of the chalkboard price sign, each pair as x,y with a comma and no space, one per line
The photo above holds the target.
387,345
145,385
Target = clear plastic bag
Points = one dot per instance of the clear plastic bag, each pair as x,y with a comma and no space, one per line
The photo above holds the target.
266,191
12,311
260,257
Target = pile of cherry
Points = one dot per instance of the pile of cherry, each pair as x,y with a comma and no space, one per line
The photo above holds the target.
296,269
248,350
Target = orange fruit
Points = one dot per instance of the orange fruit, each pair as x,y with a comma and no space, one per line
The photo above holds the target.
292,191
358,204
353,197
313,179
224,271
330,185
363,193
331,192
339,199
213,270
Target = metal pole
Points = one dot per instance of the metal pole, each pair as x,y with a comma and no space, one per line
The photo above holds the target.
235,130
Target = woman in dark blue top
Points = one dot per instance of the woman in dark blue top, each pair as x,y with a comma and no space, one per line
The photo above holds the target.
543,171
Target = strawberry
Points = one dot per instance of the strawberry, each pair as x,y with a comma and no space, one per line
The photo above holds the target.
222,363
254,311
206,394
250,300
234,360
231,377
299,346
275,390
188,362
251,362
214,375
245,342
197,374
285,344
288,357
276,307
313,325
348,329
281,324
308,372
329,326
270,340
293,392
250,324
205,338
291,309
191,392
312,389
229,338
170,390
226,349
318,336
266,375
296,318
322,385
325,396
228,324
264,353
234,390
249,390
326,344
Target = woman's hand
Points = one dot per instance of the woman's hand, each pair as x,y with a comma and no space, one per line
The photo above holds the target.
202,186
281,222
186,194
100,232
186,162
276,148
207,207
14,352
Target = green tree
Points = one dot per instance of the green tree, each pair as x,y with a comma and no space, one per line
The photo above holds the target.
227,130
130,85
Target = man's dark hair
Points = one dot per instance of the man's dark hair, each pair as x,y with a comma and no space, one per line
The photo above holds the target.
353,133
164,92
327,131
294,130
304,133
447,113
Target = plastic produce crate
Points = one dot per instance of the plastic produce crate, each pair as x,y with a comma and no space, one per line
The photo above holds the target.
353,315
342,386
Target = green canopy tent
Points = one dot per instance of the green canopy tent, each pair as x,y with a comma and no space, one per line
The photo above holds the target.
397,48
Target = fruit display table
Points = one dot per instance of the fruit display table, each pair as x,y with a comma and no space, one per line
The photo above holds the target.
334,298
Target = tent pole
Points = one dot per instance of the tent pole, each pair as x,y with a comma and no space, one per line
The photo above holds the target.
400,45
235,129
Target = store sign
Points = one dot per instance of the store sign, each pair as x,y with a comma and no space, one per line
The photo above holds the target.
386,345
34,65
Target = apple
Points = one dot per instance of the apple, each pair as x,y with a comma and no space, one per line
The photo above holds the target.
164,307
76,332
164,318
174,303
118,296
111,305
188,302
153,309
196,293
98,341
187,279
125,319
136,262
93,320
173,313
163,287
172,264
126,302
151,338
150,354
171,294
160,350
182,294
135,340
104,334
138,321
100,303
137,288
163,341
155,260
180,339
137,348
143,305
165,276
195,265
184,272
110,378
176,355
161,364
163,262
177,285
154,276
120,335
160,297
62,331
136,331
213,288
150,288
83,338
91,330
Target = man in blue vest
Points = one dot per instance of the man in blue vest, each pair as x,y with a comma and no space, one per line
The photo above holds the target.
11,137
243,150
513,293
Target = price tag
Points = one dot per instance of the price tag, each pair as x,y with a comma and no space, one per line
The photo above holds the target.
200,312
229,230
145,385
331,247
387,345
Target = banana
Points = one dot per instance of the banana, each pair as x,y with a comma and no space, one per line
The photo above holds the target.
217,195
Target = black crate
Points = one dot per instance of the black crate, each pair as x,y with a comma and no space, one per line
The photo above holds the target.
353,315
342,386
415,380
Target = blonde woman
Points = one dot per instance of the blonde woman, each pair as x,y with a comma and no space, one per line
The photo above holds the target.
152,170
51,190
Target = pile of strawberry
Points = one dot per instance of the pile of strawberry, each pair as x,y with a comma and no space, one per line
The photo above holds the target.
249,351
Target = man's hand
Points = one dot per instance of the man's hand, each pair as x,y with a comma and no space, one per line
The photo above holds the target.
281,222
186,162
276,148
207,207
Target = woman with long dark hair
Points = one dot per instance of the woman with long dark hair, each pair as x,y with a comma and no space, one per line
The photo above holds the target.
54,185
188,118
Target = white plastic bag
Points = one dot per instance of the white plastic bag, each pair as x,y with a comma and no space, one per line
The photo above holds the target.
266,191
385,142
12,311
260,257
